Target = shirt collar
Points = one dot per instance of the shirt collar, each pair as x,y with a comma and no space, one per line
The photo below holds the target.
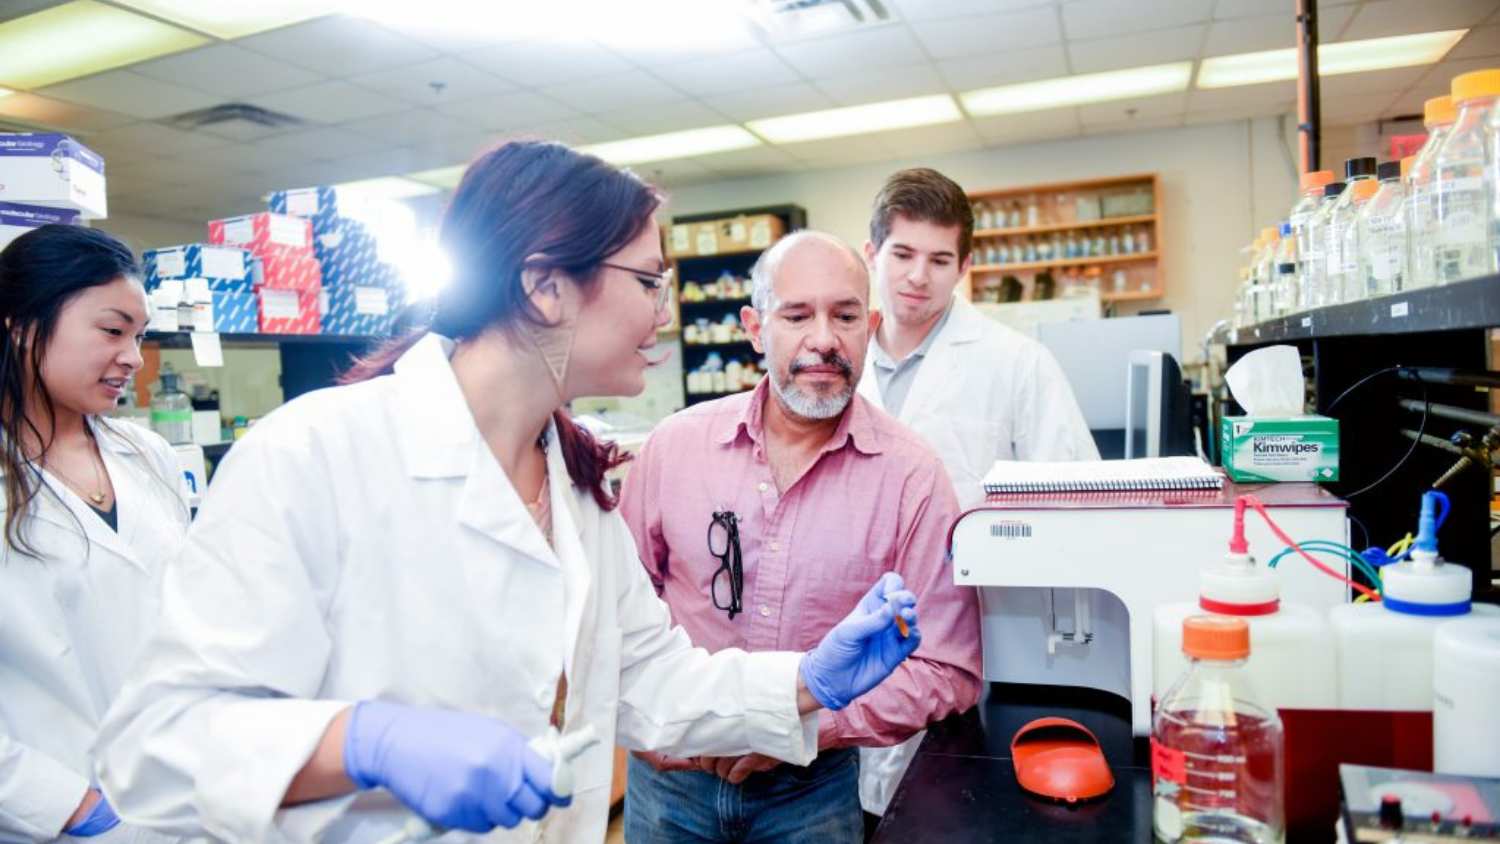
883,359
856,425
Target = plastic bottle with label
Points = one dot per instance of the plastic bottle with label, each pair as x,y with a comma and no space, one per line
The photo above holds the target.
1316,289
1217,749
1460,201
1421,180
1385,647
1382,233
1341,237
171,409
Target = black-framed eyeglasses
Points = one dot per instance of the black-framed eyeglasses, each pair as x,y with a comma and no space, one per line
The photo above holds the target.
658,283
724,543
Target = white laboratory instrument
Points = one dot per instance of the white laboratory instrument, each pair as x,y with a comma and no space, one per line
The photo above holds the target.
1068,582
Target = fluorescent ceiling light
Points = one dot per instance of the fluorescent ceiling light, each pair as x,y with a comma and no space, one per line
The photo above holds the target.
82,38
1079,90
235,18
638,24
857,120
389,187
674,145
1333,59
442,177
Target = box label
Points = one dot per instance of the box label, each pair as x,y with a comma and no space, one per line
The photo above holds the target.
240,230
279,304
371,301
171,264
288,231
223,263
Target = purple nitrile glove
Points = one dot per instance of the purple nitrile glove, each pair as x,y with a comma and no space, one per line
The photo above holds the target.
100,819
865,647
457,770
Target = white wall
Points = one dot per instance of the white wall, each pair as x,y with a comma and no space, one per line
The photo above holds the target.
1220,183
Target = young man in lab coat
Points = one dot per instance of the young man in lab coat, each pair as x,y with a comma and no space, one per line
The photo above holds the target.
975,390
804,490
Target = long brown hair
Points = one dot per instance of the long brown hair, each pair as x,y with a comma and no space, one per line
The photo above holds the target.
40,272
529,198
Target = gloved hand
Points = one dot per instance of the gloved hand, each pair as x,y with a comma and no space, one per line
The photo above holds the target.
865,647
457,770
100,819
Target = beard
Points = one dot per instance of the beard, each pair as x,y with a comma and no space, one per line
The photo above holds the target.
808,404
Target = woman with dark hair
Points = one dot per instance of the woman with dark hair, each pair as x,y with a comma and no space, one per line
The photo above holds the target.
398,585
93,508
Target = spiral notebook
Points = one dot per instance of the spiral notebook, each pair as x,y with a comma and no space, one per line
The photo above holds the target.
1153,473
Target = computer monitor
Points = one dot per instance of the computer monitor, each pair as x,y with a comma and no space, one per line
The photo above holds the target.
1158,407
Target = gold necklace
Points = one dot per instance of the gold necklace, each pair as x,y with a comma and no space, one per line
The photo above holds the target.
98,495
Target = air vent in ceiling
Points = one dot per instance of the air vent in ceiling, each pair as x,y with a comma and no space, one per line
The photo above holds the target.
808,17
233,112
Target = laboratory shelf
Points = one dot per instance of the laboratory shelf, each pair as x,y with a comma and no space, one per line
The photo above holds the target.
1066,262
1470,304
1108,222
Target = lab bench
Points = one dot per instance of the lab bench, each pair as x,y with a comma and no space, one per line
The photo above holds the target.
961,787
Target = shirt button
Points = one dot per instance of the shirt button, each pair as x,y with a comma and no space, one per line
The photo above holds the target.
765,611
762,486
775,546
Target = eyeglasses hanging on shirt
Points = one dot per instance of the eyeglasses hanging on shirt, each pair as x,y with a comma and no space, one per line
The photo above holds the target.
724,543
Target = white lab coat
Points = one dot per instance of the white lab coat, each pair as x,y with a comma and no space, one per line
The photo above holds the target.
363,542
71,624
984,392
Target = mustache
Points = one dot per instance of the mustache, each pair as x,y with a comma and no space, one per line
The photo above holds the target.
833,359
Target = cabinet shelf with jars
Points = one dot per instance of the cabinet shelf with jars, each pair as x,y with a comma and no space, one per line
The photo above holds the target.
1069,238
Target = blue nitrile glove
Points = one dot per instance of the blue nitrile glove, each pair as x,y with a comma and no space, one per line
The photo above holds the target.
100,819
457,770
865,647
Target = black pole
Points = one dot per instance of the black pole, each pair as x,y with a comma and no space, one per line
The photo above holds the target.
1309,112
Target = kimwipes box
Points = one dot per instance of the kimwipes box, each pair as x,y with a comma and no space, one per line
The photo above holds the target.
52,170
1280,448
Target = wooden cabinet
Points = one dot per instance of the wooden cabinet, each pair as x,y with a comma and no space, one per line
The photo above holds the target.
1046,241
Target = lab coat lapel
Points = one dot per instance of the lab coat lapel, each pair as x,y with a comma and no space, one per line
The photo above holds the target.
62,507
939,372
567,542
491,506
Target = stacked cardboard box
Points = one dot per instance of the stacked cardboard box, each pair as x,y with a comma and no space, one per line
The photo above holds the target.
285,274
214,284
47,178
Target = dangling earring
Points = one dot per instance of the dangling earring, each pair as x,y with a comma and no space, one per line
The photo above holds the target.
555,343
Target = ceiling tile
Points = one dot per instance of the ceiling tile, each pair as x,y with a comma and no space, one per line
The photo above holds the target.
245,130
330,102
1024,128
1232,9
880,84
670,173
1439,77
1047,62
929,141
725,41
1123,128
339,45
57,114
1198,117
837,54
228,71
1377,81
838,151
507,111
1279,94
130,93
925,10
1104,18
239,158
413,126
667,117
1354,109
153,139
536,63
578,130
771,102
988,34
723,74
165,172
1250,35
1130,111
631,89
457,148
312,144
1155,47
433,83
1402,17
396,161
736,163
200,202
1481,43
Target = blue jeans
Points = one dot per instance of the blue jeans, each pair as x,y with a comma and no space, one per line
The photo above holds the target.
818,804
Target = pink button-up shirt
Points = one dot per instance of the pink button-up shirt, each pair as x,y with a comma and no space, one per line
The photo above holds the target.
876,499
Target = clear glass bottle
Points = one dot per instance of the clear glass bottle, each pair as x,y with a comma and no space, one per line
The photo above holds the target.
1316,291
1460,206
1438,116
1285,288
1216,751
171,409
1301,215
1352,282
1341,248
1382,234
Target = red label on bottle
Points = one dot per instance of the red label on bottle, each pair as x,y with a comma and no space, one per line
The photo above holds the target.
1168,764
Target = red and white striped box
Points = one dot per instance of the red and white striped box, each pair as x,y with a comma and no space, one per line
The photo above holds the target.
288,311
264,234
290,271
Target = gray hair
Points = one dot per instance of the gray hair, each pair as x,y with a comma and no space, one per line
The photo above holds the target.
763,274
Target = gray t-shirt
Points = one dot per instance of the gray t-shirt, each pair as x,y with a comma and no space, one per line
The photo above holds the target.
895,378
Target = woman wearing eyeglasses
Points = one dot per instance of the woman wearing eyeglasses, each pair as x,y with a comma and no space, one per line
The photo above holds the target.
93,509
396,584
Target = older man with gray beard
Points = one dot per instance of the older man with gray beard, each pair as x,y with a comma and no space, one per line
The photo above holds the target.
760,517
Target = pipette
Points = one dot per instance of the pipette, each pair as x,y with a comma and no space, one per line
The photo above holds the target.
553,746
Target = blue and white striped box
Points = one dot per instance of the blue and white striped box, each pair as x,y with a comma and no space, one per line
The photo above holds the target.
355,236
52,170
228,313
16,220
225,268
363,310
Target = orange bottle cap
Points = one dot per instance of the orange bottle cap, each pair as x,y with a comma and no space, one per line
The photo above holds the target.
1406,164
1215,637
1315,179
1472,86
1365,188
1438,111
